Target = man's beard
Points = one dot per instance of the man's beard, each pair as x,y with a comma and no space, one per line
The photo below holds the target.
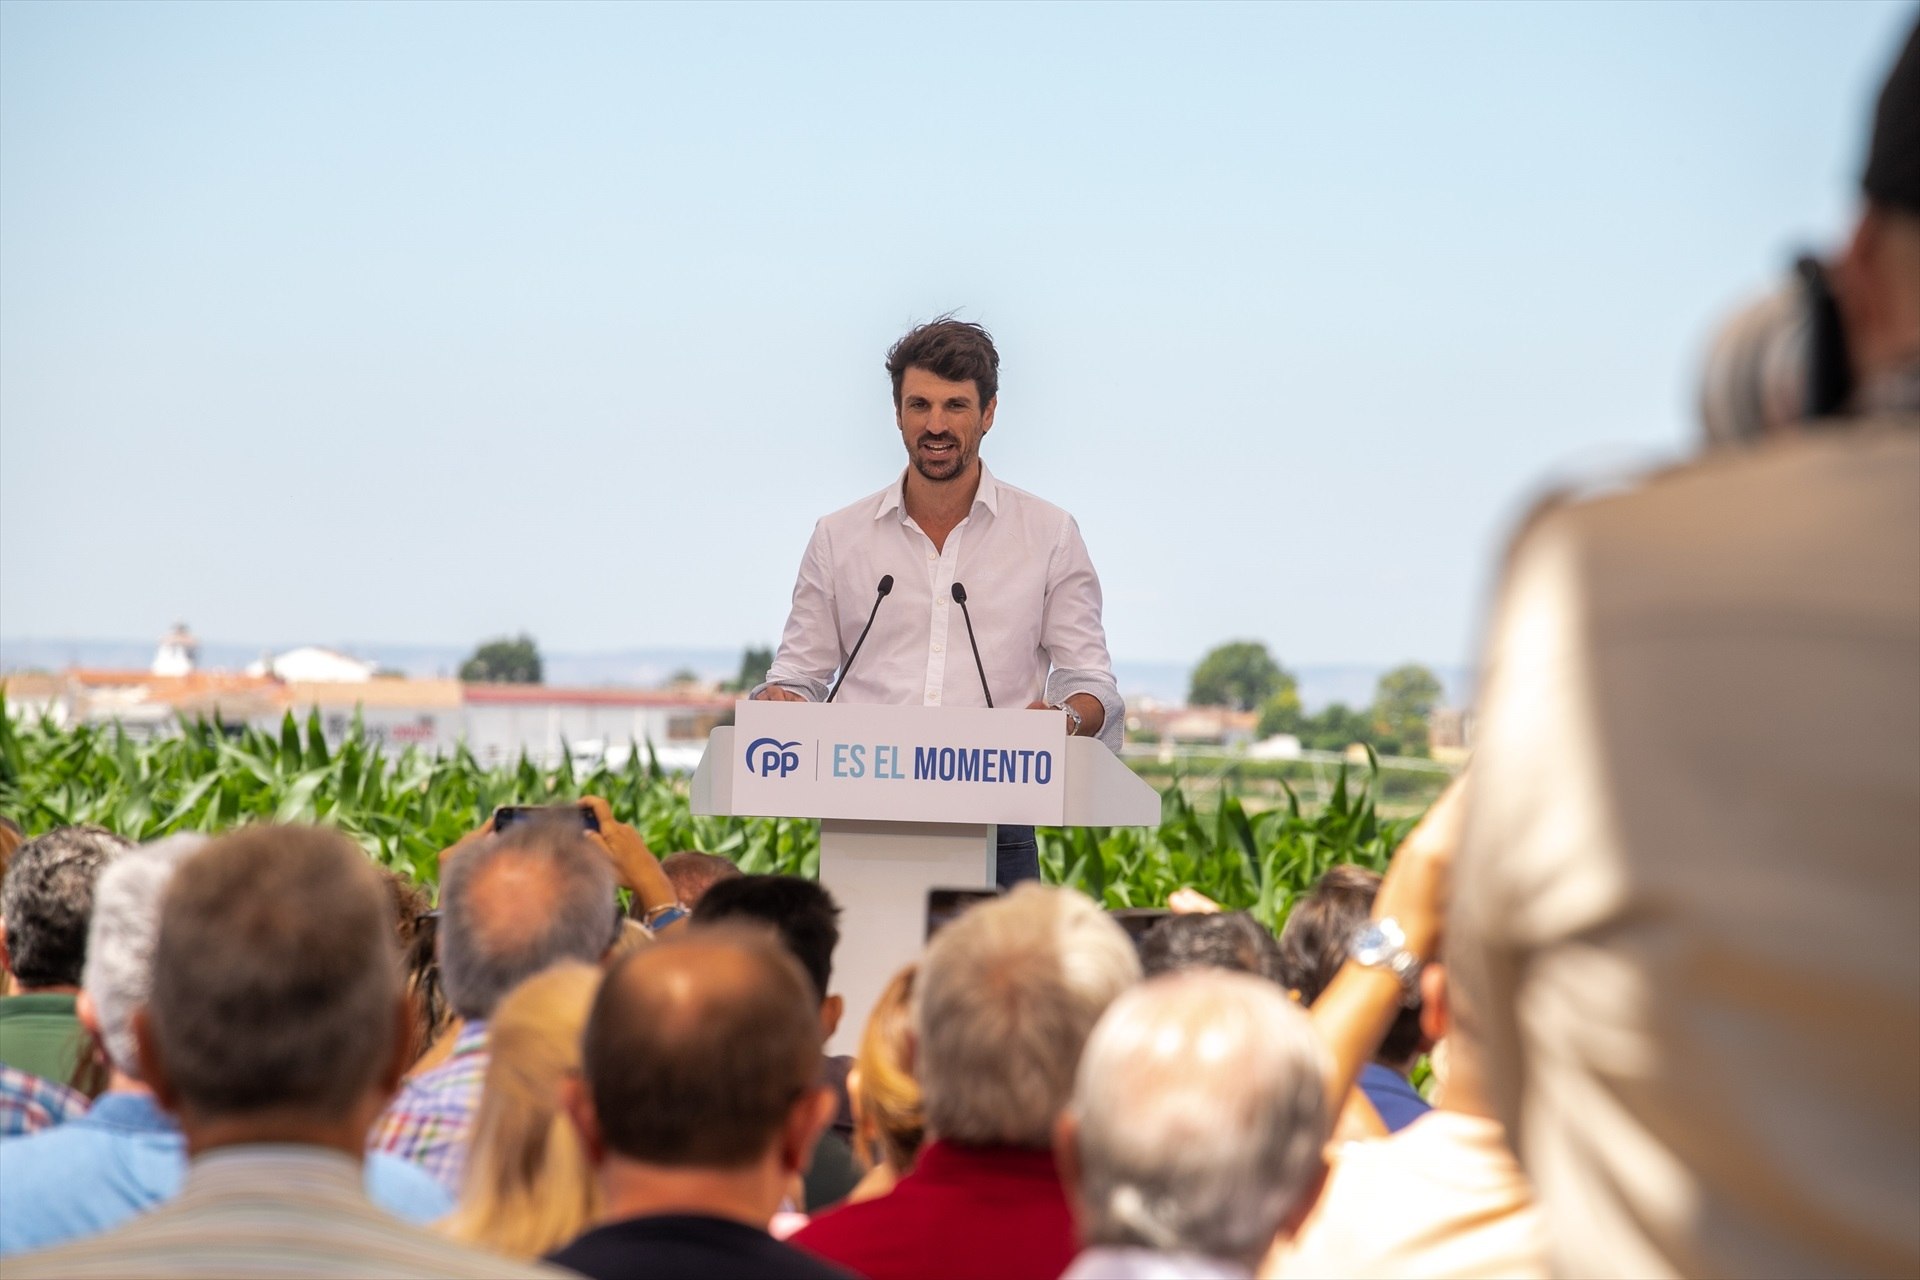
941,469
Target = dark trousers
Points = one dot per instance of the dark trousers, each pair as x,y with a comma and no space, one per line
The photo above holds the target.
1019,856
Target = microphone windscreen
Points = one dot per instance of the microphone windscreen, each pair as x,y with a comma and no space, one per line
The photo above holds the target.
886,584
959,594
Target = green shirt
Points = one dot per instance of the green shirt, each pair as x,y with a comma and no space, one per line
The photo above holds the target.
40,1035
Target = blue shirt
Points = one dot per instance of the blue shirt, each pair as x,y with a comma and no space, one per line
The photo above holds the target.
1398,1102
125,1156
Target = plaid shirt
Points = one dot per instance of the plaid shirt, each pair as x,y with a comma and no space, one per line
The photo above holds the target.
430,1121
29,1104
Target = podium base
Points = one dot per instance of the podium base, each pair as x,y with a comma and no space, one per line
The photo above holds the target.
879,873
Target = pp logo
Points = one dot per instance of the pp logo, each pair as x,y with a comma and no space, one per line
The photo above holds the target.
766,756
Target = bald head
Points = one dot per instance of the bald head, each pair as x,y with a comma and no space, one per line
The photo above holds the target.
538,895
699,1047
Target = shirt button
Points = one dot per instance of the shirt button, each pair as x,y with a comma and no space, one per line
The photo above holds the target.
932,696
933,555
939,648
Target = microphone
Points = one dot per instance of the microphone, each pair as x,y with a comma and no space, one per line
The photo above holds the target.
960,598
880,593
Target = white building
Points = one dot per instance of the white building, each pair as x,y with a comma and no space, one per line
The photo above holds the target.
178,654
504,719
397,714
311,664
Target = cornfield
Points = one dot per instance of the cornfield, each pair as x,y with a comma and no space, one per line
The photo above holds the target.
404,809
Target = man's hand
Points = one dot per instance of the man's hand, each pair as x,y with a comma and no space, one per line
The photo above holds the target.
1418,880
633,863
777,693
1189,901
1092,714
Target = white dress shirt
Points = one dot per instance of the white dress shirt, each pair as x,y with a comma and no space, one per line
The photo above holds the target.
1031,589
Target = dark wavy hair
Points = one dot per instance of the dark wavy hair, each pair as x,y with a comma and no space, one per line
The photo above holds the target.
955,350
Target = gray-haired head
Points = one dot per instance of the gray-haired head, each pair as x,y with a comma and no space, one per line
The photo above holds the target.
1200,1116
48,900
276,983
537,895
1007,996
118,976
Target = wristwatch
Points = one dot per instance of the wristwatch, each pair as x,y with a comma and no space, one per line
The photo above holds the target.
1073,718
1382,944
662,916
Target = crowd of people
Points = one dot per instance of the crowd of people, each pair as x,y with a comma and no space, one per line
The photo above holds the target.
224,1066
1639,995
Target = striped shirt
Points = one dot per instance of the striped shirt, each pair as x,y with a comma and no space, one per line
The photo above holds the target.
270,1210
29,1104
430,1121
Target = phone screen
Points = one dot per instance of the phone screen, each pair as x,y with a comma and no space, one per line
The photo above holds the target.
944,906
508,814
1139,921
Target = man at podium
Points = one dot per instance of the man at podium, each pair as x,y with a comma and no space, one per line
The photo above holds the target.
949,587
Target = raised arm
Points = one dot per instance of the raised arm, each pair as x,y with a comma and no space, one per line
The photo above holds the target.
1352,1015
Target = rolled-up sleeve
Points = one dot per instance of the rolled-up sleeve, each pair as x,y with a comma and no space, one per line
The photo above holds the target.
810,647
1073,636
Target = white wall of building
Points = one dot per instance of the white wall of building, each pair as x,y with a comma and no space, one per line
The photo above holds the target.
497,731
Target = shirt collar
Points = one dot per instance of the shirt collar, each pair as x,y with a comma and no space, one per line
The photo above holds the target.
893,497
942,1161
471,1040
133,1112
292,1170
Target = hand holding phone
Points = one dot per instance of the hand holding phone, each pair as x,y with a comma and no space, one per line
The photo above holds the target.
633,863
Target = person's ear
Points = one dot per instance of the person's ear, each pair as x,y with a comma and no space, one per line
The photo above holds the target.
986,414
401,1055
832,1009
6,956
1855,277
853,1100
89,1016
1436,1017
1066,1155
153,1069
1309,1197
910,1053
807,1119
576,1099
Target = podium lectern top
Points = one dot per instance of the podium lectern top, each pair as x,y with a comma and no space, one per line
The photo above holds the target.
916,765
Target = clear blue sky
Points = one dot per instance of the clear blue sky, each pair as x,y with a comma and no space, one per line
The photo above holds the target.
425,322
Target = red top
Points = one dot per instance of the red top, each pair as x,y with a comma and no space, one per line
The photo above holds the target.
964,1212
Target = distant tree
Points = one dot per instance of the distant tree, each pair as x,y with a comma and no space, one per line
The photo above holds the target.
684,675
1240,674
504,661
1402,702
1336,728
753,669
1282,713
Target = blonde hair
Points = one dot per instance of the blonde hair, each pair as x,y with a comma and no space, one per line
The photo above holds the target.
886,1099
528,1188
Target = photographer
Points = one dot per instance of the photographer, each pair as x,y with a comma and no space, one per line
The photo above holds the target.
1685,906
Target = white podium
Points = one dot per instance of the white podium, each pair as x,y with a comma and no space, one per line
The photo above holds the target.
909,799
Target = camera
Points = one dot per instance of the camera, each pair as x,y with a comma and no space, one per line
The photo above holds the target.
1779,362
